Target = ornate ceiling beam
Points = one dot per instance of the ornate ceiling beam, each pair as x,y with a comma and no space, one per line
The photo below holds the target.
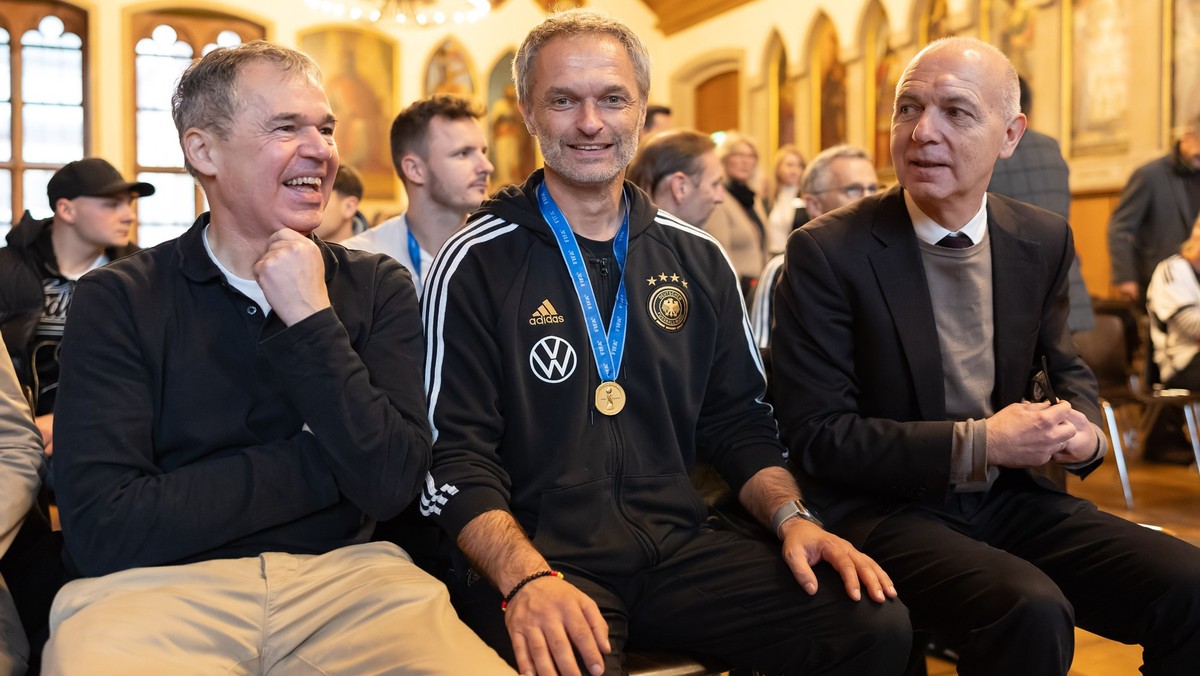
676,15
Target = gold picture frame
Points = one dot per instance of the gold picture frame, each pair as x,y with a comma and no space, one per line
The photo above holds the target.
359,71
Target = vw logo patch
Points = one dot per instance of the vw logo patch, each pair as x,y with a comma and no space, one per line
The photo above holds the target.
552,360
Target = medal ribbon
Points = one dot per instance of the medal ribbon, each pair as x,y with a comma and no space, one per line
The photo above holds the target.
607,348
414,254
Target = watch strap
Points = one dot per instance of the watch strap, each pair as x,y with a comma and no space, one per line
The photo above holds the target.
792,509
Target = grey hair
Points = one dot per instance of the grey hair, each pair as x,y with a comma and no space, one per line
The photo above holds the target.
573,23
730,143
816,171
207,97
1010,94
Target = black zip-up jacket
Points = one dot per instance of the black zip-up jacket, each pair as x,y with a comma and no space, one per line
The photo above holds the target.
512,382
24,263
191,427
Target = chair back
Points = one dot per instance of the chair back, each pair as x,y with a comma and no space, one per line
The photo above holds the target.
1105,350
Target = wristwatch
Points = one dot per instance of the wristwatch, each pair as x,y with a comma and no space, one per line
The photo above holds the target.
792,509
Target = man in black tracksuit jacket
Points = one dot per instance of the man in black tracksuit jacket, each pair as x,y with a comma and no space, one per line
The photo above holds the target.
608,499
532,478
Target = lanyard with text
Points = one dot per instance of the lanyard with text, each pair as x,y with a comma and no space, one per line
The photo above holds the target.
607,347
414,255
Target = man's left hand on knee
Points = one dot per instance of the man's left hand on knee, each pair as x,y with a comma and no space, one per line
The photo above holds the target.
805,544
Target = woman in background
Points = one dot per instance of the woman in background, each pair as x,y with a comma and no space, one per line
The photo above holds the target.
739,223
787,210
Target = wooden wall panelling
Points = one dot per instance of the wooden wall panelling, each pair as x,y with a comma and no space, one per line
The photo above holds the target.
1089,221
717,103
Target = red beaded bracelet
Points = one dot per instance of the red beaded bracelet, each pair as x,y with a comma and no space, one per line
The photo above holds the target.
516,588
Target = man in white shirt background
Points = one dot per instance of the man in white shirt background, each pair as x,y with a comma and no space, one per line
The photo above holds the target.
440,150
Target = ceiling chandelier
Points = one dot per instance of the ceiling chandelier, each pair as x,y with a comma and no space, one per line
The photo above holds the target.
420,13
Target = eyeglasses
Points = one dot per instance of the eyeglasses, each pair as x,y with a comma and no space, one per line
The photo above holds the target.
853,191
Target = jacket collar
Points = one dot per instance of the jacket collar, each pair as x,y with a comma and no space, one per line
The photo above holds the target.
518,204
1181,173
196,265
901,277
29,230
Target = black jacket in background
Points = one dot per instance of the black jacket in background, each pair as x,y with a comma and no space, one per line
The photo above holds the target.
24,263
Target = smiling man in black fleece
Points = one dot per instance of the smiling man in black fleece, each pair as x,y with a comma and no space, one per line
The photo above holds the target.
237,408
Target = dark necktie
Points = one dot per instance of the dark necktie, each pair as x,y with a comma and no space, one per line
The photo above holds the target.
955,241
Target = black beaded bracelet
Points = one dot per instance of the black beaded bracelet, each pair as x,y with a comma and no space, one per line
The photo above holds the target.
516,588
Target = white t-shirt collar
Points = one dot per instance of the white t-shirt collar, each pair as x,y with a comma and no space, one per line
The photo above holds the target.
248,287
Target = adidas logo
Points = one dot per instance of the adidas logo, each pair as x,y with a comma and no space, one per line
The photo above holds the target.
545,314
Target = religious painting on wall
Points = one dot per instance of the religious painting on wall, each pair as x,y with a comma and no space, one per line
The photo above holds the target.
359,72
513,151
830,75
1101,53
886,74
935,23
786,103
450,71
1013,27
1185,52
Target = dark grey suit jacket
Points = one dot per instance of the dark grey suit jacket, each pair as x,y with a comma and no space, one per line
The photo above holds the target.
857,366
1037,174
1152,219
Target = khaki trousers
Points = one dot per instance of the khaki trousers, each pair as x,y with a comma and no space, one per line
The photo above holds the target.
14,649
364,609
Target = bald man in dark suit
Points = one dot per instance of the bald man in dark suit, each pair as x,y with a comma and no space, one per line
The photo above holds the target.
908,326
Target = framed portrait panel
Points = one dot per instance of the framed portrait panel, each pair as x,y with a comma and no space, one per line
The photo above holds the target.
450,71
781,96
935,22
827,75
1100,75
1012,26
884,73
1184,60
512,151
359,69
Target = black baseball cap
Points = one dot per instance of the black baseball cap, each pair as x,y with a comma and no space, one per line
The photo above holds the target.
91,177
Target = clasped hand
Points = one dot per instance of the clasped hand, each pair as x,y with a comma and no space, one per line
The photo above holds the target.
1029,434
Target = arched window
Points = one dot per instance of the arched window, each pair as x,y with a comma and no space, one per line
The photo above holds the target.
43,101
165,43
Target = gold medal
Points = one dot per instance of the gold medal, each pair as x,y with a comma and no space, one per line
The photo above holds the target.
610,398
